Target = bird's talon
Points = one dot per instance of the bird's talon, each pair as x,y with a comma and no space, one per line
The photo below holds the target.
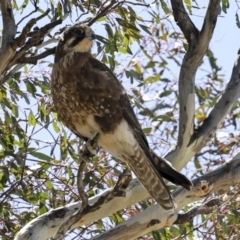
85,154
92,143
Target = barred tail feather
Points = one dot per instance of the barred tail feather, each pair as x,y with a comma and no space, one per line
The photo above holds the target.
151,179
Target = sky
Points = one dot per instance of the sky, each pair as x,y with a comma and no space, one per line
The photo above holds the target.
225,42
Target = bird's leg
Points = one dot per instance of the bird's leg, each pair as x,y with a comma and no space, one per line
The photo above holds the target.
90,148
92,143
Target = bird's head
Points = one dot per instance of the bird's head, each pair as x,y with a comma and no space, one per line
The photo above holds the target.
78,38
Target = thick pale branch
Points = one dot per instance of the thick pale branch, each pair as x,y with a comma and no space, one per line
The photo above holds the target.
209,125
210,21
184,21
9,31
47,224
9,27
185,149
223,105
152,218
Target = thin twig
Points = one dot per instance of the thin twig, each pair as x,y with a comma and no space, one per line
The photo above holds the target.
20,40
105,11
33,41
34,59
35,10
201,209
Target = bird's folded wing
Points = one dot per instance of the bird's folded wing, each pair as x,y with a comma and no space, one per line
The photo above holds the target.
162,166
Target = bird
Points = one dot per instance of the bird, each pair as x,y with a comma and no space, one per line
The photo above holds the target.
90,101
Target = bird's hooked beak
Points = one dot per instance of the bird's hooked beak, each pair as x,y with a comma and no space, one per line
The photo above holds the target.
91,36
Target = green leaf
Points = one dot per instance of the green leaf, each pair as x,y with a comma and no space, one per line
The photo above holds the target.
152,79
55,127
31,88
40,155
127,25
31,119
49,185
156,235
225,5
165,7
189,5
165,94
165,118
59,9
147,130
237,20
133,74
111,63
109,30
145,28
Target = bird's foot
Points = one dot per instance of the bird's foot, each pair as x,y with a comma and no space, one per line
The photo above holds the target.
90,148
92,143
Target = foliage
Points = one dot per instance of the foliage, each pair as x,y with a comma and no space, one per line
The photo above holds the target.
39,156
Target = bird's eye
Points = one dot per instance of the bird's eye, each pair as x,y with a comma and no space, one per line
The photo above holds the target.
78,32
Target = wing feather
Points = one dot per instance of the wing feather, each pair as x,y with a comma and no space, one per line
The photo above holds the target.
160,164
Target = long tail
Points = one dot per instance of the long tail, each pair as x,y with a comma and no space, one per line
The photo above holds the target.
171,174
150,178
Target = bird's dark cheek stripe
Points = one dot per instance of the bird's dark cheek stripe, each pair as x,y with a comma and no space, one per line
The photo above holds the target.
76,41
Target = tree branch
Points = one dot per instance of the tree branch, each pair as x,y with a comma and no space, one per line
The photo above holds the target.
222,107
9,31
31,60
12,57
36,36
47,224
152,218
11,73
77,216
9,27
28,15
34,59
186,149
20,40
184,21
205,208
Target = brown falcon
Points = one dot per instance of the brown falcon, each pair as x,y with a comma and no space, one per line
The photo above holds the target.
90,100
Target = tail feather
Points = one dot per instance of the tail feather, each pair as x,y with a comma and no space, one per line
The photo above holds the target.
170,173
150,178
